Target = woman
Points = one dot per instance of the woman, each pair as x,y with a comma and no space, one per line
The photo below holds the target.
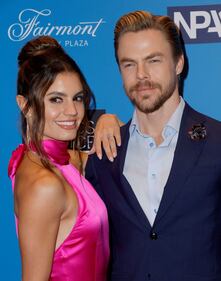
61,222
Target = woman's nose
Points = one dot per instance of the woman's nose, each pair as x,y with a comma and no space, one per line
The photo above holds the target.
70,108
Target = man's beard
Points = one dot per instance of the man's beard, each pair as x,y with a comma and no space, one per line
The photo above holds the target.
161,97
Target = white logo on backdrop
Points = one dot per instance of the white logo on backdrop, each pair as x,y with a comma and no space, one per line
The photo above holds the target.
198,24
210,20
29,23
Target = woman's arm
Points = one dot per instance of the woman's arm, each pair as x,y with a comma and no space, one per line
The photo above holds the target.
40,207
107,134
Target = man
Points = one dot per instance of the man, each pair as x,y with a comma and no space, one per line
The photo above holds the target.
163,190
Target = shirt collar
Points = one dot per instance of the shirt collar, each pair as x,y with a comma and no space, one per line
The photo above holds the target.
173,122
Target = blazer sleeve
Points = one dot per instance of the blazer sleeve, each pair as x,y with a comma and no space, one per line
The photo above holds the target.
91,174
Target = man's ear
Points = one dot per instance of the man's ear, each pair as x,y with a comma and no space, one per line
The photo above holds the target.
180,65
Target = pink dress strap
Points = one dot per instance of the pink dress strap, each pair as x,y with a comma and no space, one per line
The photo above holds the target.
16,158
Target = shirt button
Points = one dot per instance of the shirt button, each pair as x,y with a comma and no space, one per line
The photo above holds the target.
151,144
153,236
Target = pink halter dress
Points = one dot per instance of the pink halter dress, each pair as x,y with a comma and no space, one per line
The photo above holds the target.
84,254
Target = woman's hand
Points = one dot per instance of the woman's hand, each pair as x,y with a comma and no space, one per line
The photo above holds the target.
107,134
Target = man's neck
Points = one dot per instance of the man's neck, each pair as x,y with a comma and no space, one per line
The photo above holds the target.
153,123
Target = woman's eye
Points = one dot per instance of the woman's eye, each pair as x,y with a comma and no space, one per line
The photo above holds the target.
79,98
56,100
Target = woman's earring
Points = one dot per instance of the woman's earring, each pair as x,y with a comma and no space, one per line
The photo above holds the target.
27,133
28,138
28,121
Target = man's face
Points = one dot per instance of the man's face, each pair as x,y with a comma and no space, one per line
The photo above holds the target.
148,69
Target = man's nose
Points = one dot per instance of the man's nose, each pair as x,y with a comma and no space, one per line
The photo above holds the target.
142,71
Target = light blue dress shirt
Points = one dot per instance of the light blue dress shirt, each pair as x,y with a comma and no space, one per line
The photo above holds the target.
147,166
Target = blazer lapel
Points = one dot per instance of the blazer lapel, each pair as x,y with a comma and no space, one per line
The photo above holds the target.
186,156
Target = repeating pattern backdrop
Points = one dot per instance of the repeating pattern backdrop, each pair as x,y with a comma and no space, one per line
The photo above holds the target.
85,30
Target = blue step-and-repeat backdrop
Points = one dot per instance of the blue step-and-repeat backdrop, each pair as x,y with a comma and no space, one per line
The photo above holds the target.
85,30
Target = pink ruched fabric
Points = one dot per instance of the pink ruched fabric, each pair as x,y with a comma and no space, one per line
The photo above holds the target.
84,254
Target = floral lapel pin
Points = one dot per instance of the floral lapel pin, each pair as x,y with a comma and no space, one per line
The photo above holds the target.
198,132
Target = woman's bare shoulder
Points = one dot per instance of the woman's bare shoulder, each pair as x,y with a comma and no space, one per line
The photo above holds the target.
35,184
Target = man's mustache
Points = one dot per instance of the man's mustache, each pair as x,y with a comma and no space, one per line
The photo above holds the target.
142,85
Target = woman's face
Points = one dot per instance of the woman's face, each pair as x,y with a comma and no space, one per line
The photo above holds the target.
64,107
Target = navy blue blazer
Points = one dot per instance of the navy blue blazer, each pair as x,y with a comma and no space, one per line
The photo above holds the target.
184,244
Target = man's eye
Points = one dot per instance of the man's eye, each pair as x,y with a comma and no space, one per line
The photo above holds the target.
127,65
154,60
